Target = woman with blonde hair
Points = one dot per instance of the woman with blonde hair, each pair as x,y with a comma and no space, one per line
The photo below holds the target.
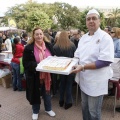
64,47
36,50
115,34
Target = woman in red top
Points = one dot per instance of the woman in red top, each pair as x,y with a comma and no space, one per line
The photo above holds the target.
15,63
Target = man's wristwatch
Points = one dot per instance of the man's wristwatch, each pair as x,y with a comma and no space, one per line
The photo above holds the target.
83,68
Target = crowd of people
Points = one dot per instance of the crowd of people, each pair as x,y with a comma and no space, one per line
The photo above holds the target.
95,50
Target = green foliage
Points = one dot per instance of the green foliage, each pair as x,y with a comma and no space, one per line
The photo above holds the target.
21,12
32,14
82,25
114,17
102,17
67,16
38,18
118,22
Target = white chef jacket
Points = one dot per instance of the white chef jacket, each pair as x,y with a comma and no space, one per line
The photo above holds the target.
8,45
90,49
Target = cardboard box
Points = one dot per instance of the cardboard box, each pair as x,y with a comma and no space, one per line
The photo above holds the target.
7,80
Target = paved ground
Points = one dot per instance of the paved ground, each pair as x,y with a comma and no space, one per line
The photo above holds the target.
16,107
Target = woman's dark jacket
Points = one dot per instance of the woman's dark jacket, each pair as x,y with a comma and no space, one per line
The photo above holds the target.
32,76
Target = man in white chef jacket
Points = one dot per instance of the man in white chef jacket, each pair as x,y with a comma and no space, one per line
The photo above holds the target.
95,52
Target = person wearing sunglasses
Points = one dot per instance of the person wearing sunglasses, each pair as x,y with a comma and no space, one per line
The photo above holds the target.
108,29
76,37
115,34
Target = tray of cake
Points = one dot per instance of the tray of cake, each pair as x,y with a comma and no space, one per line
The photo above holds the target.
58,65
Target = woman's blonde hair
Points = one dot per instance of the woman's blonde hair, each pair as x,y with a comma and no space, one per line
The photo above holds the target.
32,40
117,32
63,40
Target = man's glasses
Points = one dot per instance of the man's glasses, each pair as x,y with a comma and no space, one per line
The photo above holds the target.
93,18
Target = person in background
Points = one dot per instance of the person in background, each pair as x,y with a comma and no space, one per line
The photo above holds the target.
76,36
108,29
54,33
1,41
3,45
82,33
64,47
4,37
7,43
37,49
115,34
69,36
51,35
24,39
95,53
57,37
48,37
116,40
15,64
50,32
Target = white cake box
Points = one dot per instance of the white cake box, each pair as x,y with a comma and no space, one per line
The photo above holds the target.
64,72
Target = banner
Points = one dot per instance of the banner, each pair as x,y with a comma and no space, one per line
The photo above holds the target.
11,22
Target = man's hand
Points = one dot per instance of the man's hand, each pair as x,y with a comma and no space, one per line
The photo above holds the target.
76,69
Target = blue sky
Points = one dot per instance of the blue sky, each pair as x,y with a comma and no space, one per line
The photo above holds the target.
4,4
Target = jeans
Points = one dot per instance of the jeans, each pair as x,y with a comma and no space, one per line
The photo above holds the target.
47,101
66,82
91,106
16,76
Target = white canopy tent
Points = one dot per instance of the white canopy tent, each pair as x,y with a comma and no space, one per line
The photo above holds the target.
7,28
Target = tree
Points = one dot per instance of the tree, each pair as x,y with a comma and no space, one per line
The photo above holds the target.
114,17
118,22
21,12
67,16
38,18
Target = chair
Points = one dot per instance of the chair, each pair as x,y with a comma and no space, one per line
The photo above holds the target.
77,89
116,82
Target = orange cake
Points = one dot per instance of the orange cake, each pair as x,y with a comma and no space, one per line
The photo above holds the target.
56,63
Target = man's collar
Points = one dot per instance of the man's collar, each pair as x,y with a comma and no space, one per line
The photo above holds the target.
97,31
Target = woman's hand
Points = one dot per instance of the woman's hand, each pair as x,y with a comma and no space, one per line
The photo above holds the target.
77,68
